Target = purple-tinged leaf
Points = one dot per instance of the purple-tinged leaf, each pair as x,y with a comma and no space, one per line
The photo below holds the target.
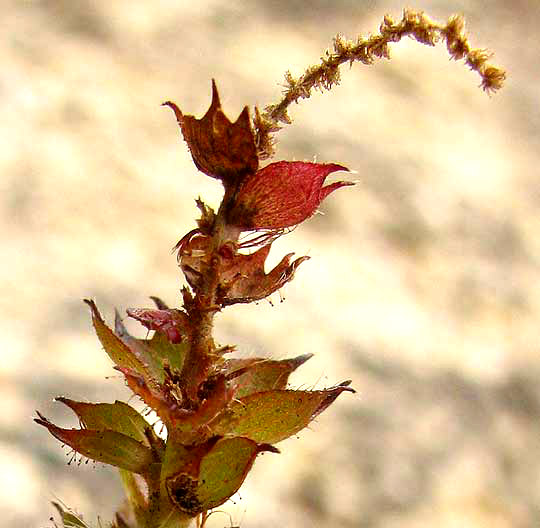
141,348
173,323
109,447
214,401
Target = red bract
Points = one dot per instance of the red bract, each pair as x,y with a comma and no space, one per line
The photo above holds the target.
283,194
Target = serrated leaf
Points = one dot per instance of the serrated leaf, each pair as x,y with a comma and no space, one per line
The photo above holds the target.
116,349
117,416
260,374
109,447
274,415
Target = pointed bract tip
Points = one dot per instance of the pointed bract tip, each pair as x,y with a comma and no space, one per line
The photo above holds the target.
300,360
177,112
41,420
345,386
160,305
72,404
93,307
243,118
215,94
335,167
40,415
261,448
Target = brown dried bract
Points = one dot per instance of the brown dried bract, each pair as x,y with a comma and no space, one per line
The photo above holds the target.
220,148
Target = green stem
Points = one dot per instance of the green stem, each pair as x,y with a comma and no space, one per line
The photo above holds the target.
174,520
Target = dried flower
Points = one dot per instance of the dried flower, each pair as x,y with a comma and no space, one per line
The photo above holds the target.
242,277
221,149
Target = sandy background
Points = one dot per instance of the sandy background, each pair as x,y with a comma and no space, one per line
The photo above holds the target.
423,285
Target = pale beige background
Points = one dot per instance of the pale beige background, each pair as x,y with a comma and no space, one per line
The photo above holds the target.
424,283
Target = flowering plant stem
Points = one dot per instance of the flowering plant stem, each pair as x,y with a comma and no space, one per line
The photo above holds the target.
220,412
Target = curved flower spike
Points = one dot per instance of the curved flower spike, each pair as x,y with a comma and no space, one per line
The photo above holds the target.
221,149
283,194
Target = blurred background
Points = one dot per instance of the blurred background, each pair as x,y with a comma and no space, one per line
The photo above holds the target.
423,287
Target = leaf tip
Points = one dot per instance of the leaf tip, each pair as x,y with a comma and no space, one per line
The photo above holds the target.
300,360
262,448
94,309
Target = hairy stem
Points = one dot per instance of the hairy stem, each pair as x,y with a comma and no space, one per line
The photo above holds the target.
203,308
414,24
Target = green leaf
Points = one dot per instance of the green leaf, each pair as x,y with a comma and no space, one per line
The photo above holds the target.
117,350
224,469
260,374
69,519
274,415
214,473
109,447
166,352
117,416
